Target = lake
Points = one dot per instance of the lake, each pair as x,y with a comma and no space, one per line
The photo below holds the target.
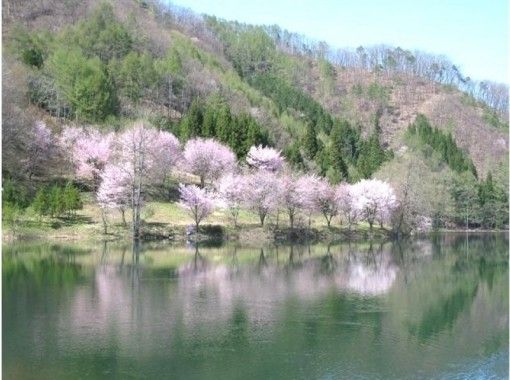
431,308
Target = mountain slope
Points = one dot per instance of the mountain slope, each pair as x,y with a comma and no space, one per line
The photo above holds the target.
339,115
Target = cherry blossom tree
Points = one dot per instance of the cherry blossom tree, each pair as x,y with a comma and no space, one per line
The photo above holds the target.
232,191
307,187
138,158
326,200
373,199
113,192
167,149
346,203
88,149
208,159
290,195
40,149
197,202
261,193
91,151
265,158
68,137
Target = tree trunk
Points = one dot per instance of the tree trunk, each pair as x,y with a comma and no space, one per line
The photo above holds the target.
262,217
371,223
291,221
105,224
123,212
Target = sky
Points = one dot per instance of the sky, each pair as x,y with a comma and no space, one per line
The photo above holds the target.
473,34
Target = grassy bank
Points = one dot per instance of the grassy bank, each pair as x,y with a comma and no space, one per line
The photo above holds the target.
168,221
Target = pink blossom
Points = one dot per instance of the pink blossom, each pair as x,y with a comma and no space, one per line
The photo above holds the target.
326,200
115,190
167,153
208,159
292,197
91,152
373,199
40,148
232,192
196,201
307,186
262,194
265,158
346,202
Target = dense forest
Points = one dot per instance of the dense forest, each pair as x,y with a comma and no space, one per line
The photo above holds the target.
409,118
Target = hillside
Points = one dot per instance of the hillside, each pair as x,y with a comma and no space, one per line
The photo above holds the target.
107,64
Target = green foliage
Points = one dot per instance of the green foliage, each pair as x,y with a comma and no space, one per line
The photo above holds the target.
85,83
494,119
191,125
286,96
14,201
371,156
443,143
483,203
293,155
249,48
214,119
56,200
378,92
135,75
310,143
14,193
30,48
493,201
101,35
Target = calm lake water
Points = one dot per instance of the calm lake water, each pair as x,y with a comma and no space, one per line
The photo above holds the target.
427,309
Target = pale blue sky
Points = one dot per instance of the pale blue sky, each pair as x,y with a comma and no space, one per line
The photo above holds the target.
472,33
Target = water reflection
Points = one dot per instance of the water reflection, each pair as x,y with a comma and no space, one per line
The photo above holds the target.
297,311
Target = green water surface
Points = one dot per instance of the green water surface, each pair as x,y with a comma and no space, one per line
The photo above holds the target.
434,308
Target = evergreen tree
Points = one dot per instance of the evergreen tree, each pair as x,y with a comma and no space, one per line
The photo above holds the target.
209,125
191,126
310,143
71,199
41,202
223,124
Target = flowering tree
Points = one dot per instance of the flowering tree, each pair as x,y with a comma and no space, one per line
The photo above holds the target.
90,153
265,158
40,149
196,201
232,191
307,186
167,149
113,192
261,193
346,203
137,157
208,159
326,200
68,137
373,199
291,196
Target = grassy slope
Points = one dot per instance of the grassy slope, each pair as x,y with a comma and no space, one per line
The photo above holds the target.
168,220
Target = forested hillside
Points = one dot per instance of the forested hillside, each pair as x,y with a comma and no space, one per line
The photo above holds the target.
410,118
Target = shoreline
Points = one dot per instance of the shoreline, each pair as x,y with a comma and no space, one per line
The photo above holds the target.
219,234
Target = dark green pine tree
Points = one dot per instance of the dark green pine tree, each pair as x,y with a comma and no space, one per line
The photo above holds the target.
71,198
338,164
191,125
223,124
209,124
310,143
41,202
